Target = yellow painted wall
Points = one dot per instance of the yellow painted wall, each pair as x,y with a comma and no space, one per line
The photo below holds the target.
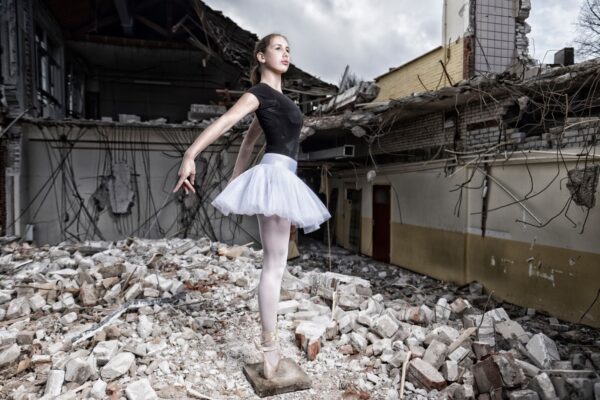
366,236
434,252
552,269
541,277
561,281
405,80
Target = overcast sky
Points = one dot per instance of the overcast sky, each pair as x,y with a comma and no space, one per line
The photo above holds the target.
372,36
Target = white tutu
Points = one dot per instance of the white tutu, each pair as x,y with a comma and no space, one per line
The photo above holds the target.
273,188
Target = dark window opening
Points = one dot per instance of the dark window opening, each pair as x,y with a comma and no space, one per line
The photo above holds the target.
47,70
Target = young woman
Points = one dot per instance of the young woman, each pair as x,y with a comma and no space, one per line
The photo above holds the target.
271,190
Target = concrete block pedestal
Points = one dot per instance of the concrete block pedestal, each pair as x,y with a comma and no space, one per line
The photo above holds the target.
289,378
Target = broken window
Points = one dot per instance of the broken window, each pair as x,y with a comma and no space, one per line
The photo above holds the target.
47,69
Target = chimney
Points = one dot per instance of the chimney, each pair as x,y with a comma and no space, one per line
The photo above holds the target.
565,56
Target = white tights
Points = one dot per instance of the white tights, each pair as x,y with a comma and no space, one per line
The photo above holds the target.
274,235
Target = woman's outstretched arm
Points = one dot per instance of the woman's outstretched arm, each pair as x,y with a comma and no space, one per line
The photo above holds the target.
187,172
246,149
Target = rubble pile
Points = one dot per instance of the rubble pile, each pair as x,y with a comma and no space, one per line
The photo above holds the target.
149,319
454,343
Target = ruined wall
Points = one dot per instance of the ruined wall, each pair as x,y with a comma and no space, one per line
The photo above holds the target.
551,268
405,79
2,188
478,37
541,254
148,82
172,104
19,62
495,35
123,177
418,133
20,86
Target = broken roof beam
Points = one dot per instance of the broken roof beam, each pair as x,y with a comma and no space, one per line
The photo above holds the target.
98,23
193,40
153,25
124,11
347,120
363,92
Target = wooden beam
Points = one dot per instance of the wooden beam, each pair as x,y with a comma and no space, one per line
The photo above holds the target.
111,19
153,25
125,16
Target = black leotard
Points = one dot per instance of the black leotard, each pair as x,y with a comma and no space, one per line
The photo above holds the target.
280,119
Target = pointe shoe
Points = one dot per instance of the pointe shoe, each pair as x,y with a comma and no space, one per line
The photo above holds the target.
269,370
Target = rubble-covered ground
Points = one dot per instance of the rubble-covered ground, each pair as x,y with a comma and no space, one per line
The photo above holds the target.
176,319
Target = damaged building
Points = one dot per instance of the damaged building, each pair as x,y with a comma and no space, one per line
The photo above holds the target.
101,100
470,163
459,262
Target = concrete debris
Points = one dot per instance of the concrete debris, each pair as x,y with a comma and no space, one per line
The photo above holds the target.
140,390
10,354
543,386
80,370
56,377
98,389
421,373
524,394
543,349
149,319
117,366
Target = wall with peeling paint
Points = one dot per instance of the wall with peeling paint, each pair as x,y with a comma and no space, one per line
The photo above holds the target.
553,268
141,161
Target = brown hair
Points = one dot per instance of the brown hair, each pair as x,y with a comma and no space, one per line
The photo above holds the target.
261,46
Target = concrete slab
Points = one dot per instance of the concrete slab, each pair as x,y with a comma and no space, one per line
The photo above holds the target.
289,378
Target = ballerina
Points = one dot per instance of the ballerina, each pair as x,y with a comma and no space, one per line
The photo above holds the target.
271,190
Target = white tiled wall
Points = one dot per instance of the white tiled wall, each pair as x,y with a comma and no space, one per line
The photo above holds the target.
495,35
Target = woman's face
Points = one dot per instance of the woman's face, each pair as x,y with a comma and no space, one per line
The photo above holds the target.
277,55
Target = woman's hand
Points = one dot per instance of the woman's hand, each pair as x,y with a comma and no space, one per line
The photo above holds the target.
186,170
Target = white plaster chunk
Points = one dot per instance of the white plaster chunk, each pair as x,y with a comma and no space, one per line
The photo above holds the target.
99,389
9,355
435,354
54,383
140,390
105,350
68,318
442,309
286,307
79,370
385,326
117,366
543,349
358,341
134,291
144,326
36,302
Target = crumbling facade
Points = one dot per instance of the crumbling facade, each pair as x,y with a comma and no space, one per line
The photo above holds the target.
479,37
99,105
475,181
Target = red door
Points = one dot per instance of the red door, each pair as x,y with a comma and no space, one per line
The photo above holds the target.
381,223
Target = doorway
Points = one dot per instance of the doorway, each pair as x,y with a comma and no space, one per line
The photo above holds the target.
354,198
381,223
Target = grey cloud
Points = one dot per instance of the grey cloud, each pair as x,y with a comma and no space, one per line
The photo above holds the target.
372,36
